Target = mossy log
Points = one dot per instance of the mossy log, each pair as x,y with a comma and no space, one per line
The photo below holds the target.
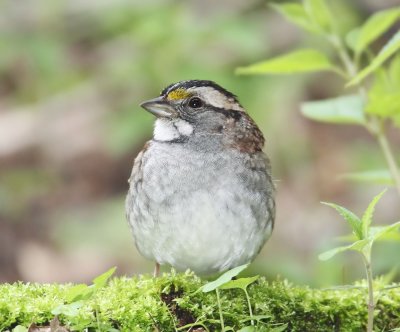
171,303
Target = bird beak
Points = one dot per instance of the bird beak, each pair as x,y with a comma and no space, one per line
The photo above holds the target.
160,107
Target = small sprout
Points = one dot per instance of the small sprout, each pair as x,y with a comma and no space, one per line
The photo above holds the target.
366,236
225,282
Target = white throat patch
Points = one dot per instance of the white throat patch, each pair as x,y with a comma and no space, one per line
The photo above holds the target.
166,130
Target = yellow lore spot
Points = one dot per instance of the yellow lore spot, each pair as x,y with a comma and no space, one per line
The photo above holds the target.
178,94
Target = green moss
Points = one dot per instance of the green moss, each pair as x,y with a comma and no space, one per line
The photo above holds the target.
143,304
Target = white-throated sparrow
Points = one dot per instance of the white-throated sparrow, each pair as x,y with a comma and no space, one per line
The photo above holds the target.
201,195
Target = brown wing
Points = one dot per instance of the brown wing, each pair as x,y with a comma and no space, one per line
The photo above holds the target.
243,134
136,179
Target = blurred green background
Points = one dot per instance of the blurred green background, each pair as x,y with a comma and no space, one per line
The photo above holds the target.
72,74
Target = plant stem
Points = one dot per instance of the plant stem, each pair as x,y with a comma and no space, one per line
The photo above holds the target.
98,320
371,304
343,54
220,311
387,151
249,304
373,123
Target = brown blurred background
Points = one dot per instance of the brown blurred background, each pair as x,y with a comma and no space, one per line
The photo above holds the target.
72,74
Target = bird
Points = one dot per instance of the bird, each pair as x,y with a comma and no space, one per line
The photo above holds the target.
201,195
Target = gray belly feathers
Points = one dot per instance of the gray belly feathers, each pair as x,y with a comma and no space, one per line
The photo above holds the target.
188,223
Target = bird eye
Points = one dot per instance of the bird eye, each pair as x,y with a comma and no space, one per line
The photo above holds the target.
195,102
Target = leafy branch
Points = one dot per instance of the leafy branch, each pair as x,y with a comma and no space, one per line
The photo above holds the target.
79,295
370,107
365,236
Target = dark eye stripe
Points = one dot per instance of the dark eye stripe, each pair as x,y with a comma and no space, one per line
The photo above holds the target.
236,115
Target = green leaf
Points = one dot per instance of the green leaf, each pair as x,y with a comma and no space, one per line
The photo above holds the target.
356,246
319,13
223,279
71,310
82,324
296,14
375,26
385,104
300,61
241,283
343,110
353,221
352,38
197,324
384,95
379,176
85,292
77,292
387,51
248,329
280,328
377,232
101,280
390,236
256,318
366,219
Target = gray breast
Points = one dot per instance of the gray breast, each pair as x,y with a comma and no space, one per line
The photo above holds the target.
207,211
